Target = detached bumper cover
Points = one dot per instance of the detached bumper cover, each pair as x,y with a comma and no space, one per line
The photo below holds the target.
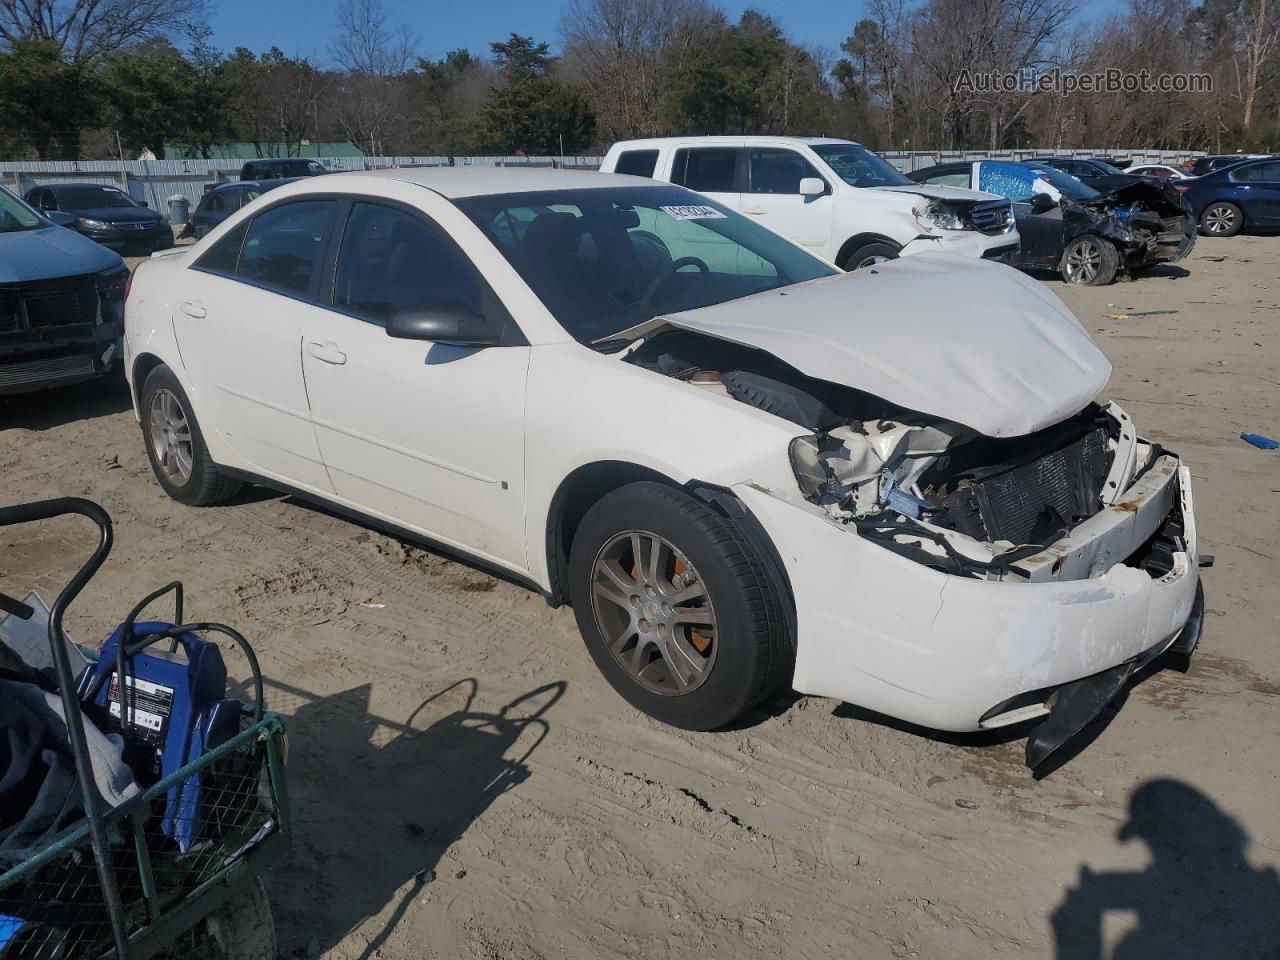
886,633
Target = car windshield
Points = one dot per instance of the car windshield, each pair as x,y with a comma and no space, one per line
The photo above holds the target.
314,169
606,259
1107,168
16,215
859,167
94,198
1064,183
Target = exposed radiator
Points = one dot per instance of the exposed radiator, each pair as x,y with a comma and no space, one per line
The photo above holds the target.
1027,503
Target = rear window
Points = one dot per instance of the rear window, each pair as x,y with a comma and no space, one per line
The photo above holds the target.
637,163
706,169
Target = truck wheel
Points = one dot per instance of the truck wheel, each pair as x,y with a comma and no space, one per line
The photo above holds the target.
1221,219
870,254
242,928
676,607
1090,261
175,445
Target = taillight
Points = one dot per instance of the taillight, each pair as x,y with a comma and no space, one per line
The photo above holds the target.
1181,189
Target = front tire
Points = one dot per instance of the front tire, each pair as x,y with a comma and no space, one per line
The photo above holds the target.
1221,219
676,608
1090,261
869,254
175,444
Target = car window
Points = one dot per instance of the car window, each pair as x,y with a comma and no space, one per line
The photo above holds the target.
284,245
958,179
247,172
706,169
778,171
392,261
637,163
1064,183
1259,172
1010,180
223,256
859,167
606,259
217,203
16,215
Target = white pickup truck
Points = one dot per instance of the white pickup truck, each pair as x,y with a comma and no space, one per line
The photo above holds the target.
834,197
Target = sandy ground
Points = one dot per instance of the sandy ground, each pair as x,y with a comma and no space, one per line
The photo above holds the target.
466,785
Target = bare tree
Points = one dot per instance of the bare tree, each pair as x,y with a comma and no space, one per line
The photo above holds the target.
1259,39
90,29
374,55
622,49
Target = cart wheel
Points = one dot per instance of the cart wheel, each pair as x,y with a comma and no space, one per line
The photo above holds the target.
242,928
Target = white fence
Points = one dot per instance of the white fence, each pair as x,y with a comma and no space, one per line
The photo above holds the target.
154,181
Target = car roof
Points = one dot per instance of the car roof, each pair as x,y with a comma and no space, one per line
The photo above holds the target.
64,186
268,183
654,142
457,182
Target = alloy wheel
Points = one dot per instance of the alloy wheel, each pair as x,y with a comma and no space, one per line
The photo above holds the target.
1219,219
1083,262
654,613
170,434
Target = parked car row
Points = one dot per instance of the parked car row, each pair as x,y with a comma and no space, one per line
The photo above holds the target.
892,486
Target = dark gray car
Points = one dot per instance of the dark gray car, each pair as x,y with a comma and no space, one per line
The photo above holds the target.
106,214
61,302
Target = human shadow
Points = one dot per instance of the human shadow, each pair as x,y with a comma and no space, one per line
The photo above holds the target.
46,409
376,802
1198,898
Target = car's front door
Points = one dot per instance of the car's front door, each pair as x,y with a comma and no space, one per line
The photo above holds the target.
429,436
773,196
1259,183
1041,232
240,326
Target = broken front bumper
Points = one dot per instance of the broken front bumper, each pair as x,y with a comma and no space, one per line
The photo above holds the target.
886,633
969,243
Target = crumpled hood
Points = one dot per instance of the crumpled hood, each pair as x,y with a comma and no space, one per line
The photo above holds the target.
950,336
51,252
939,192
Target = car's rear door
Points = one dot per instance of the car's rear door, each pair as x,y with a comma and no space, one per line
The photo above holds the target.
772,196
240,318
429,436
716,171
1259,186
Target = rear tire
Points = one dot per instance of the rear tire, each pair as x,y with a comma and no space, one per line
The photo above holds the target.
695,633
1221,219
869,254
175,445
1089,261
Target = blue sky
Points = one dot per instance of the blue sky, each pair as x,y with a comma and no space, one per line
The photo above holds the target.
304,27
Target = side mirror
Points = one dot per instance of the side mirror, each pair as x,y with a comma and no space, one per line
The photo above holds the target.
60,218
812,186
1042,203
449,321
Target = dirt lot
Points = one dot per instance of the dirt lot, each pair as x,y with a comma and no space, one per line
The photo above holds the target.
466,785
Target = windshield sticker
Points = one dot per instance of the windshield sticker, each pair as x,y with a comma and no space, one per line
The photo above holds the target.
692,212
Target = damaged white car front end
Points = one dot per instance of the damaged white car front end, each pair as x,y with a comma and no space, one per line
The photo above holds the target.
971,541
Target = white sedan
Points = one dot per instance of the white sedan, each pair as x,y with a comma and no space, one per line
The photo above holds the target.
743,468
1161,170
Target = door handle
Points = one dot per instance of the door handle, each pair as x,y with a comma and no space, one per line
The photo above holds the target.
755,210
327,352
193,308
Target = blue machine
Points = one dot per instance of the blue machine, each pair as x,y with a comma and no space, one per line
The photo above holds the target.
174,710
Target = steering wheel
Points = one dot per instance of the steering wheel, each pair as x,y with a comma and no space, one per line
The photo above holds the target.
661,279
